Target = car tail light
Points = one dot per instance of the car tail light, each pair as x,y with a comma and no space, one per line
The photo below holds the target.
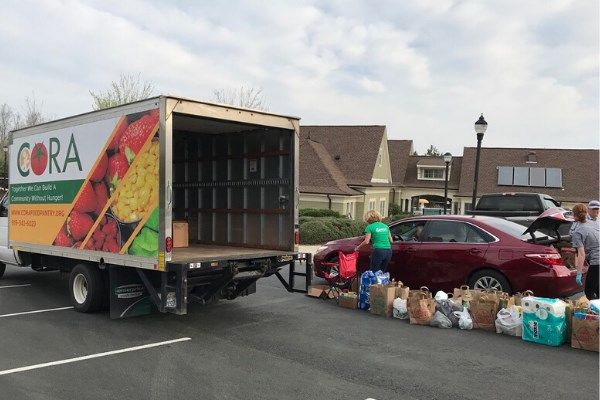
546,258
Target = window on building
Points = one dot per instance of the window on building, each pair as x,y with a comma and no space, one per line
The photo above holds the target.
431,173
350,210
530,176
382,207
372,204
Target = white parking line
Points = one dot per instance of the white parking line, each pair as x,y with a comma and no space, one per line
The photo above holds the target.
35,312
12,286
108,353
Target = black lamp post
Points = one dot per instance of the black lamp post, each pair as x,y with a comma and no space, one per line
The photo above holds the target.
5,148
480,127
447,160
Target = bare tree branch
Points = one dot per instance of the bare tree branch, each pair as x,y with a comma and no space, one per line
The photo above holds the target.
127,89
247,97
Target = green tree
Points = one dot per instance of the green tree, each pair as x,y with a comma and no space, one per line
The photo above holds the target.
127,89
433,151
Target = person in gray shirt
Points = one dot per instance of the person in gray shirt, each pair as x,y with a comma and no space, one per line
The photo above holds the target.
585,237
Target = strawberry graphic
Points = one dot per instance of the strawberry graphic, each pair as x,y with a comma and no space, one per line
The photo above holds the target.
100,170
117,168
98,237
90,245
79,224
63,239
135,136
87,199
101,196
114,143
110,229
110,245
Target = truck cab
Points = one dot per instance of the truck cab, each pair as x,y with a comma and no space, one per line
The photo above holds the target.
7,255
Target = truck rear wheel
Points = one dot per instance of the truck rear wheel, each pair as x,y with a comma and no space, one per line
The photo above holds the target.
2,269
87,288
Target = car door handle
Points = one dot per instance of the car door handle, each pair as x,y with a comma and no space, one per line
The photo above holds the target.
474,251
411,250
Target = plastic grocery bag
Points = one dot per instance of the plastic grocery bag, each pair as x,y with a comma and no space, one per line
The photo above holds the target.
440,320
441,295
400,310
464,319
595,305
382,277
447,307
509,321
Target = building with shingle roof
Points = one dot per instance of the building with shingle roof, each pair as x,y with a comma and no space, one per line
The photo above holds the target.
346,168
351,169
568,175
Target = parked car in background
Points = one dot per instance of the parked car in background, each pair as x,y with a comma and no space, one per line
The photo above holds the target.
483,252
520,207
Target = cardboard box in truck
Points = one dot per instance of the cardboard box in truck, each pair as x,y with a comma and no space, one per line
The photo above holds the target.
101,196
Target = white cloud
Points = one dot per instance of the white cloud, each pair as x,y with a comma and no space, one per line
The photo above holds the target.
425,69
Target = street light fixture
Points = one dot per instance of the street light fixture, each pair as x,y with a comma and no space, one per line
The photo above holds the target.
480,128
447,160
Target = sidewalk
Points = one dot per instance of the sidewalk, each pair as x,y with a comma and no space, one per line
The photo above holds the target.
312,249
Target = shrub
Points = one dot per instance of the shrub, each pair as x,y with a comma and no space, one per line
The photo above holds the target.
394,209
321,230
396,217
317,212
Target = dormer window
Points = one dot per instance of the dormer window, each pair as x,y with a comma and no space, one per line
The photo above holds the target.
431,170
431,173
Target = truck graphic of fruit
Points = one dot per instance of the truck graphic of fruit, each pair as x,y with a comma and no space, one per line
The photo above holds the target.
140,188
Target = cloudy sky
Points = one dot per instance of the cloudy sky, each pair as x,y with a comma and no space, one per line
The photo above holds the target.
424,68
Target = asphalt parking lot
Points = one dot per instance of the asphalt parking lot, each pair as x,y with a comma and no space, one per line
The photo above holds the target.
270,345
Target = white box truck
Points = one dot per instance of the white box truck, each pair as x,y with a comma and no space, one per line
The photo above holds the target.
162,201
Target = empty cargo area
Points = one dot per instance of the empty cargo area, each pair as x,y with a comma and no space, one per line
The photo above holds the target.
207,252
232,187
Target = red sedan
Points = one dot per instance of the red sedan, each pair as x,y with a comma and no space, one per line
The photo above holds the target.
443,252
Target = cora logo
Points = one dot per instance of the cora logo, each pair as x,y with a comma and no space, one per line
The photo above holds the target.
40,158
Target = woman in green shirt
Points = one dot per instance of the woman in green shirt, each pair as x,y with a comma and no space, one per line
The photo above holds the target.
379,235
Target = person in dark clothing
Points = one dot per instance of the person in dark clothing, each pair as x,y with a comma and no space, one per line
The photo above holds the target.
585,239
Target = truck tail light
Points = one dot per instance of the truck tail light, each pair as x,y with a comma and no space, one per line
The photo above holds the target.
297,238
168,244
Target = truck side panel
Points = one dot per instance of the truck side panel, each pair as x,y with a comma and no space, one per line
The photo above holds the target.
88,190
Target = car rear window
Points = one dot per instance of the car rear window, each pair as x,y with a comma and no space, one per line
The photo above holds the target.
512,228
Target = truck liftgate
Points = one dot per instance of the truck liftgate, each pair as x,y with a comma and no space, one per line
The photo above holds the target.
133,290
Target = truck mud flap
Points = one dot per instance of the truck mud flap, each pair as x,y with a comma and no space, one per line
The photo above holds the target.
129,296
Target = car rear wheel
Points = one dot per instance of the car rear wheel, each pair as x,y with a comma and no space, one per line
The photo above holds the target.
488,279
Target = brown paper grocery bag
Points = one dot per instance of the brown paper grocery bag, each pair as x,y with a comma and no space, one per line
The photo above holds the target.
381,298
585,334
483,313
518,296
421,310
402,291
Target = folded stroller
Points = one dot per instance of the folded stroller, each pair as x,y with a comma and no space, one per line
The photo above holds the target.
340,275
